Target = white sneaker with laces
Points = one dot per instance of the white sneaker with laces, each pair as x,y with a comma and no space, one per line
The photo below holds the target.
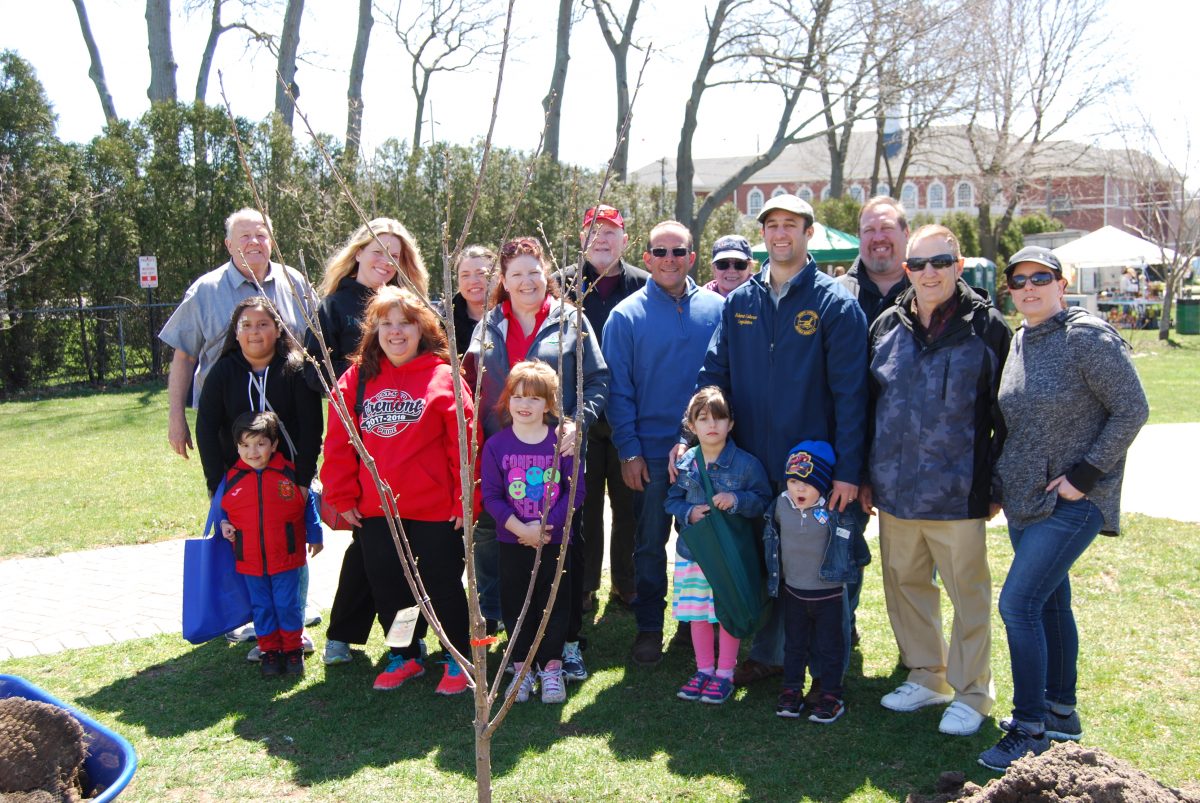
553,688
525,689
960,719
910,696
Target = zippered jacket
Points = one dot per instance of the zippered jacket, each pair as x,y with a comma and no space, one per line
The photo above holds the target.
274,521
654,345
936,429
793,372
488,350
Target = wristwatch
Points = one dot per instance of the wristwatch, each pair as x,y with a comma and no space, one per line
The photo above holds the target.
631,459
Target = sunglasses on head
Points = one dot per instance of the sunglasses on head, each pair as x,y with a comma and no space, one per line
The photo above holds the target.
937,262
1039,279
731,264
678,251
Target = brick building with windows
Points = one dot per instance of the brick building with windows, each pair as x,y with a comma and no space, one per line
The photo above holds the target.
1082,186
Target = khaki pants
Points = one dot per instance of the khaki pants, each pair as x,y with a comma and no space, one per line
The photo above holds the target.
910,551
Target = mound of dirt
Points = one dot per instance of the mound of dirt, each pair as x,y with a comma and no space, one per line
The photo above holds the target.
41,752
1065,772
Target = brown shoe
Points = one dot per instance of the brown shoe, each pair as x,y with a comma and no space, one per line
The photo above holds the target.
647,648
682,640
750,671
622,601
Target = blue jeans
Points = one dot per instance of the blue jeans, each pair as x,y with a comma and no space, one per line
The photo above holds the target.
1035,604
650,547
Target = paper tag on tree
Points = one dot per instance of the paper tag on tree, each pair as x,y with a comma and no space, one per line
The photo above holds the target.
400,634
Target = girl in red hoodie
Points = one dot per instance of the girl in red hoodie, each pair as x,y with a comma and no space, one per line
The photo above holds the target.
406,418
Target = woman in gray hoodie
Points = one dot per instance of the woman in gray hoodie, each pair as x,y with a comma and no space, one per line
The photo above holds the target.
1073,404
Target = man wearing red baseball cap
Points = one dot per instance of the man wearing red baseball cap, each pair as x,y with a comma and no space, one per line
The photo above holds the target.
602,281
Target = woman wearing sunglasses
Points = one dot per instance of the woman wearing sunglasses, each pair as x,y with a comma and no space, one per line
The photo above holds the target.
1073,404
732,261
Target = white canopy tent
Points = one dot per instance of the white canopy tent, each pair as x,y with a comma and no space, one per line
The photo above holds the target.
1111,247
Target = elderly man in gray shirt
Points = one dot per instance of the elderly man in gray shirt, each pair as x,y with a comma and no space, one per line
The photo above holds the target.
196,330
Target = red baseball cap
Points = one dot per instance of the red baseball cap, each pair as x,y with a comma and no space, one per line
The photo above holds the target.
604,212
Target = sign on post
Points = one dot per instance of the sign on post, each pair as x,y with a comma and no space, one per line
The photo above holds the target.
148,272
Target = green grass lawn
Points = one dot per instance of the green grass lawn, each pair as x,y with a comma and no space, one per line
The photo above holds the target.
206,727
94,469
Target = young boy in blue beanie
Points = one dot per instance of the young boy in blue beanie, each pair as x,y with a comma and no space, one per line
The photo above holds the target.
813,548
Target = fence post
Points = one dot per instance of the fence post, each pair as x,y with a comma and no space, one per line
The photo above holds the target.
121,339
155,355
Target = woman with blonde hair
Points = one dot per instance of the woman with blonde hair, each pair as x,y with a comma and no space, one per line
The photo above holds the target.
367,261
381,252
400,391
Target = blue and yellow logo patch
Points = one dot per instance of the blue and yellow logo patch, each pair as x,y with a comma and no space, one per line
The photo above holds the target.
806,322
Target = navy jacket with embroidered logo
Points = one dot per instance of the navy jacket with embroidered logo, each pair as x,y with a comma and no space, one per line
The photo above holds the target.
794,373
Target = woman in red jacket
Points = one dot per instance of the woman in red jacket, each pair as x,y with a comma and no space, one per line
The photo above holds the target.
407,422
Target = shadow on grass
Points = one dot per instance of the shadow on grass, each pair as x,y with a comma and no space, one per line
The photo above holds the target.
332,724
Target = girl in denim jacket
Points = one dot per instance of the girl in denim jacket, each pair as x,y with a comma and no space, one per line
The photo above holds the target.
740,486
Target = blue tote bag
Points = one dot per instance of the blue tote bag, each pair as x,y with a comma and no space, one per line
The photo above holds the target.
215,599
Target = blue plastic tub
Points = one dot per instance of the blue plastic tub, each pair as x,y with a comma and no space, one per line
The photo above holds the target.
110,761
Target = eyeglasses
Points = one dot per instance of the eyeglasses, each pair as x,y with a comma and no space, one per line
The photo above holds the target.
661,251
937,262
1039,279
731,264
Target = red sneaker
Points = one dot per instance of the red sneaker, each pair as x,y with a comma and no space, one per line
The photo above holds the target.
454,680
399,669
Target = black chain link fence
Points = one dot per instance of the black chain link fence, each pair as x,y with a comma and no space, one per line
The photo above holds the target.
59,347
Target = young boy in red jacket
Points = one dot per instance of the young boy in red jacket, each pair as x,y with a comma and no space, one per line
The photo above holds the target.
269,518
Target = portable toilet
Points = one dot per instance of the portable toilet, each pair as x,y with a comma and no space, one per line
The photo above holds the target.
981,273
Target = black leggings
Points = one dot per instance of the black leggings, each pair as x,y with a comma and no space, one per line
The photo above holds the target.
516,567
439,550
353,606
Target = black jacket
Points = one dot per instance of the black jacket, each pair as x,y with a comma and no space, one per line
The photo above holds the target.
228,392
873,302
596,307
340,315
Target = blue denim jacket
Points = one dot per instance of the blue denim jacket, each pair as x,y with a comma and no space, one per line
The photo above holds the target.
735,471
843,555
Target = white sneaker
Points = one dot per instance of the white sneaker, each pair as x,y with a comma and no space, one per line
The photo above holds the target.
525,689
911,696
243,633
553,688
960,719
306,643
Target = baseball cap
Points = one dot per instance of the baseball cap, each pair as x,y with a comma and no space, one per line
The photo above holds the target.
732,246
788,203
604,212
1037,254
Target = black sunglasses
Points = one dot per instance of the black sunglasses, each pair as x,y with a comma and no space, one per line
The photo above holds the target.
678,251
731,264
938,261
1039,279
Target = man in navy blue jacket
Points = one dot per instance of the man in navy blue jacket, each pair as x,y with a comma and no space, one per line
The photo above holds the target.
654,343
791,355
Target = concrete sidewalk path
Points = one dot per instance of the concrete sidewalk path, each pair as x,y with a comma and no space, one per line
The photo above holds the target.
109,595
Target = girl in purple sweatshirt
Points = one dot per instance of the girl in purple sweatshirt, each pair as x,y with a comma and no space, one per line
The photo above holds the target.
520,482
